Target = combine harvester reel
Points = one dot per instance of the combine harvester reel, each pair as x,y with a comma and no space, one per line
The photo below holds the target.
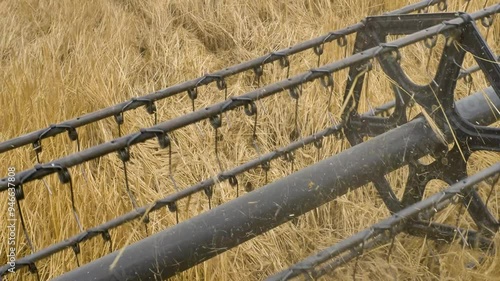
412,214
449,129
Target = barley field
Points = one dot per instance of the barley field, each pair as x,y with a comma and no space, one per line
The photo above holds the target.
60,59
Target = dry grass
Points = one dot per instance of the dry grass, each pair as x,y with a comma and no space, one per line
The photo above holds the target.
61,59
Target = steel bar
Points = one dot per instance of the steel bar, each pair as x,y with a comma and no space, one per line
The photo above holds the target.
194,83
230,104
228,225
394,224
345,257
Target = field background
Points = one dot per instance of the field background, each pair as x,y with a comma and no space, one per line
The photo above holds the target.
62,59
